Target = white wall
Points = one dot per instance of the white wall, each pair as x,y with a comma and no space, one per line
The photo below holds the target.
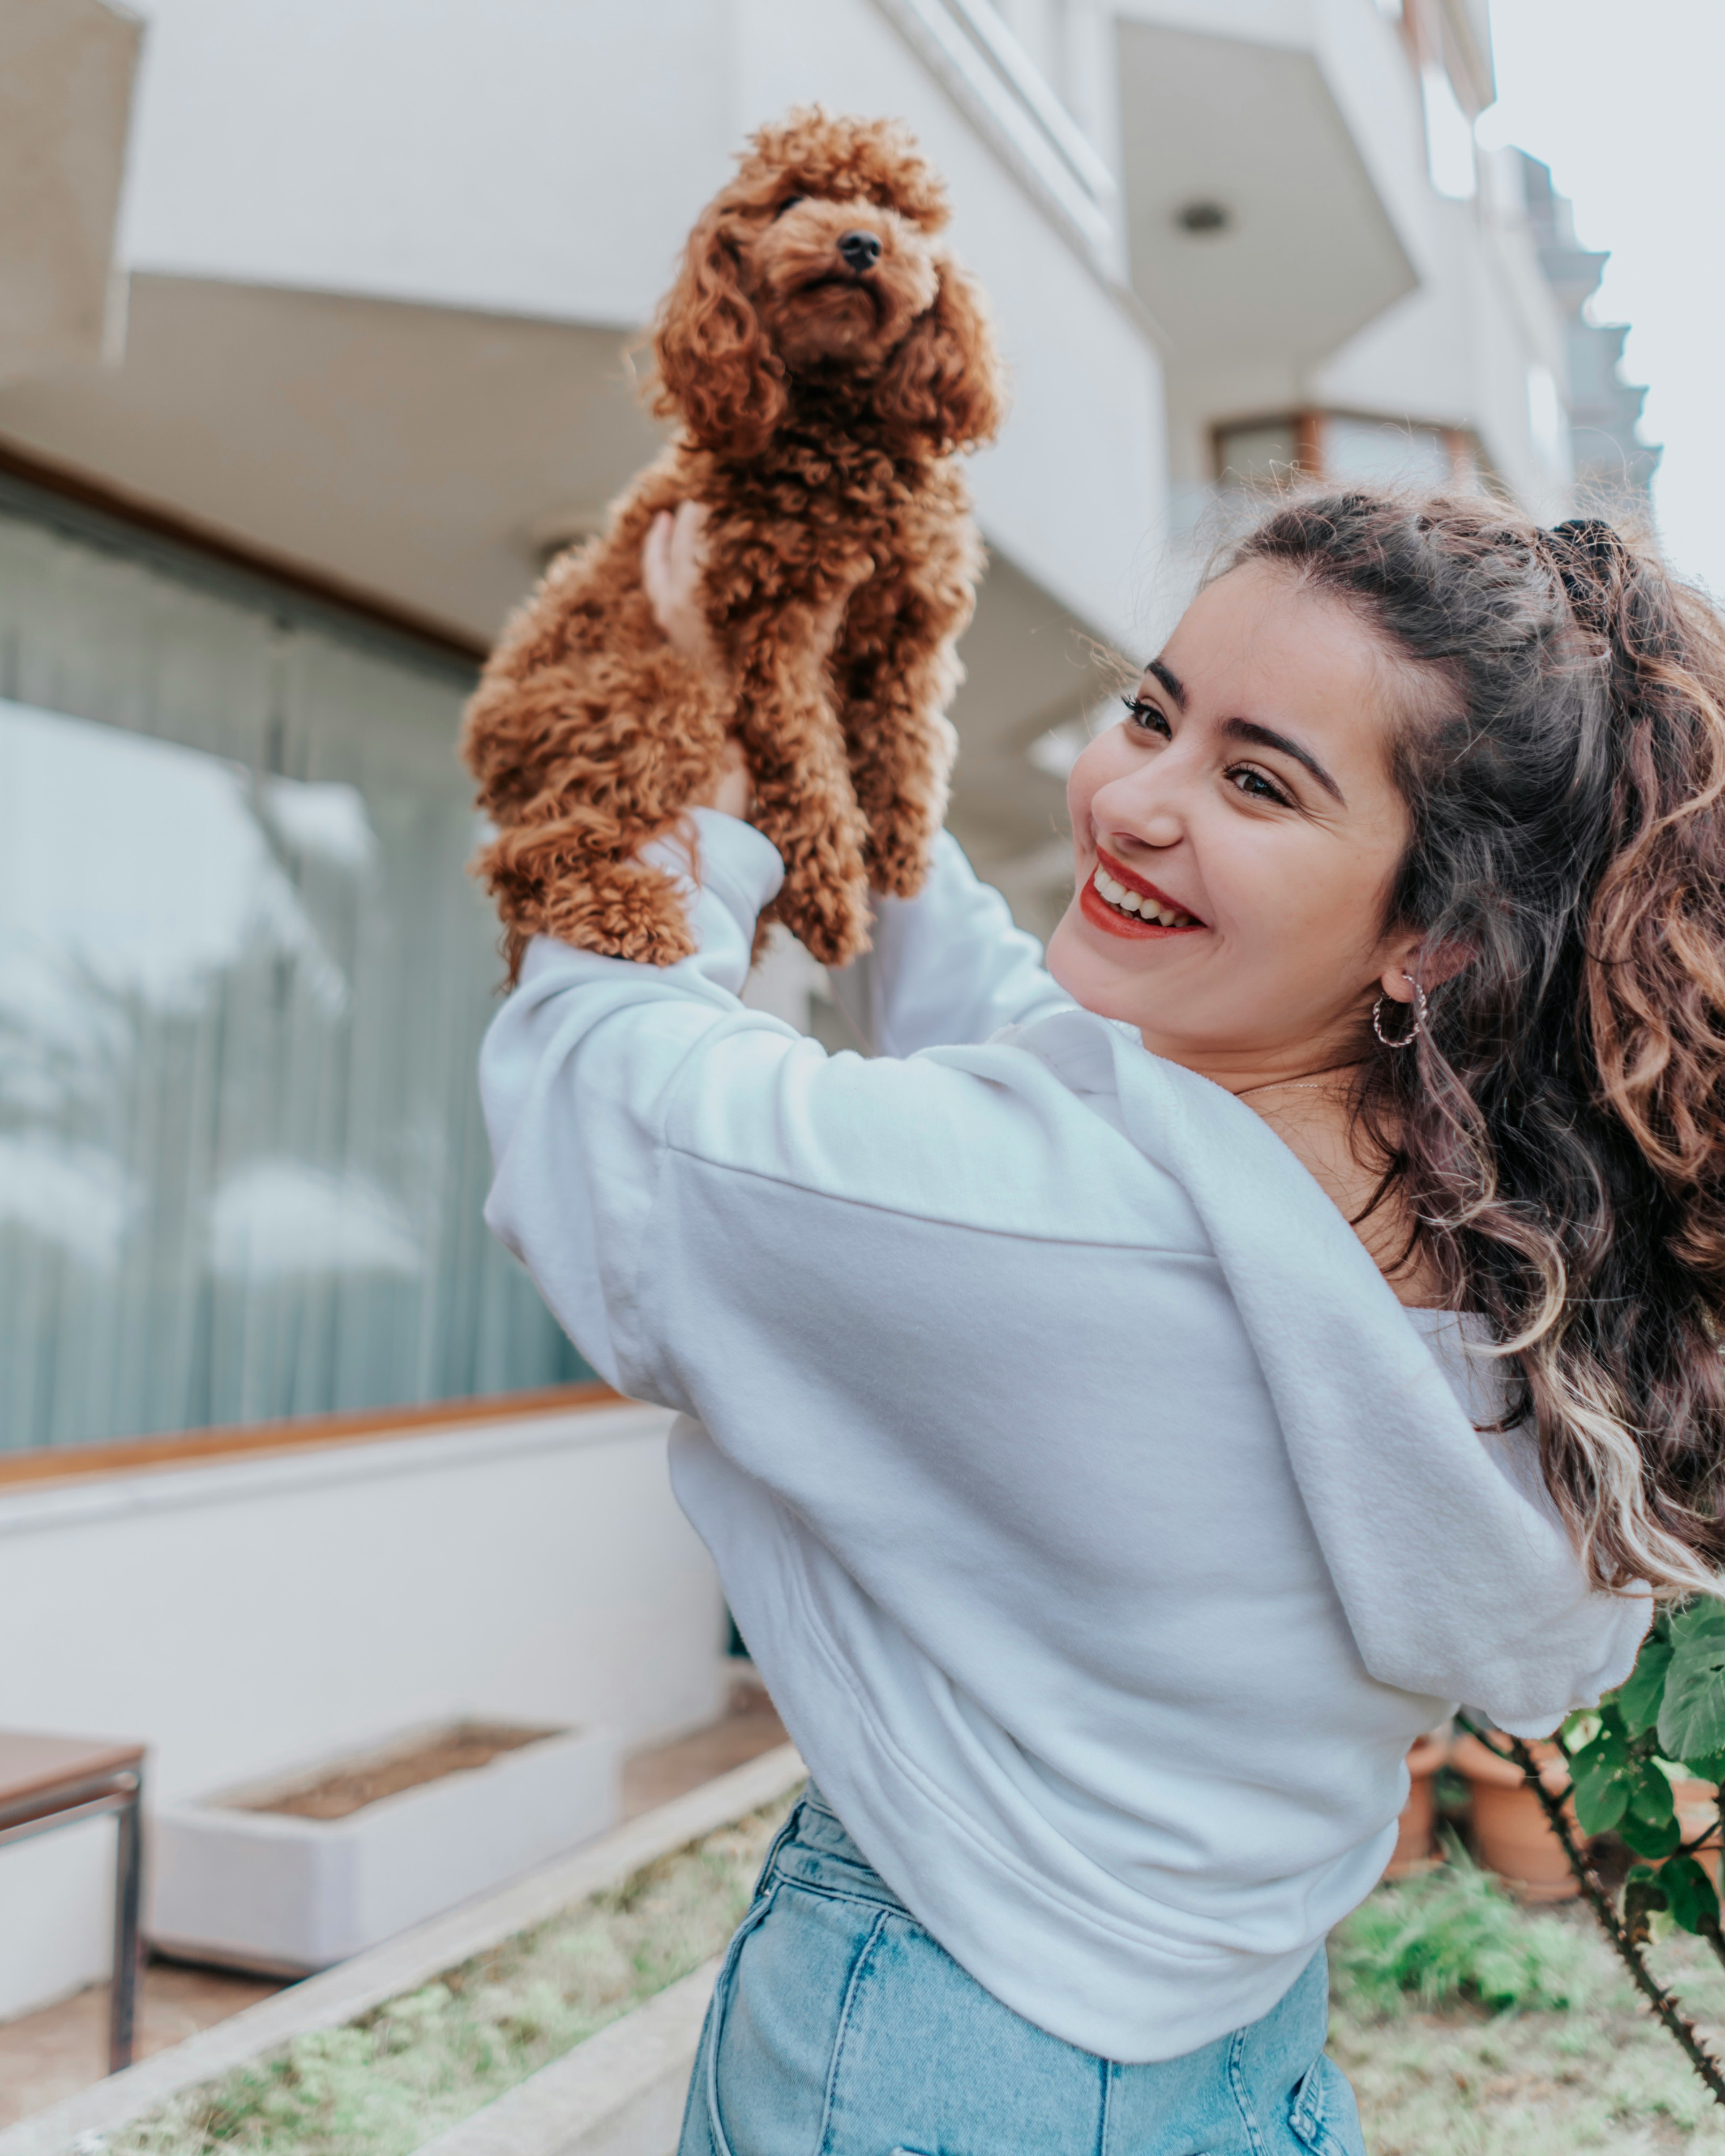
252,1614
545,158
1074,491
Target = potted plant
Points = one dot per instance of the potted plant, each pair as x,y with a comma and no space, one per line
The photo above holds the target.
1413,1850
1512,1831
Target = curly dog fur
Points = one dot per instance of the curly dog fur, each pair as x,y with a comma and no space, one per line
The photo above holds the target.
823,397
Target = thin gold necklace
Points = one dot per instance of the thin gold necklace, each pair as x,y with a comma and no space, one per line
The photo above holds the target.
1289,1084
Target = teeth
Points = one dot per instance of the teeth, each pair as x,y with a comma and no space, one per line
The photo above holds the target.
1135,901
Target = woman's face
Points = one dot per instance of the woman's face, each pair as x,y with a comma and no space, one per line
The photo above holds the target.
1244,805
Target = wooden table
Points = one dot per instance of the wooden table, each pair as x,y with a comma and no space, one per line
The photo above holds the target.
51,1781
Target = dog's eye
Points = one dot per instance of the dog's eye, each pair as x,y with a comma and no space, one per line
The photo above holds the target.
790,202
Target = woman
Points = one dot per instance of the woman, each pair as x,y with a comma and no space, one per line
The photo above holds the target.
1133,1405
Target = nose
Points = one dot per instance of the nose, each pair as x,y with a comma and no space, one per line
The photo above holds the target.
862,251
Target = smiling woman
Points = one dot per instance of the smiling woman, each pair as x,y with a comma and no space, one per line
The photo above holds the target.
1133,1406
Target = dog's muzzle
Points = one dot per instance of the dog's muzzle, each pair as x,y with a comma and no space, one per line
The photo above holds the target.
858,250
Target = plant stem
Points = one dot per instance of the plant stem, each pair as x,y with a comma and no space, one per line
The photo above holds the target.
1678,2024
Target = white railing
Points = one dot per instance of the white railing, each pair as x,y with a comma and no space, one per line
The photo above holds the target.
971,48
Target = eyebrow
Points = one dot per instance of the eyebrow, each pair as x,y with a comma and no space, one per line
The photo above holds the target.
1249,730
1170,681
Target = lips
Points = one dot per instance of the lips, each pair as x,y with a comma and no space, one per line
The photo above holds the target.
1125,904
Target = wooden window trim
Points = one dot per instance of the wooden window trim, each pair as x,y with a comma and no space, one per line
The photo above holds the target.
206,543
193,1448
1307,427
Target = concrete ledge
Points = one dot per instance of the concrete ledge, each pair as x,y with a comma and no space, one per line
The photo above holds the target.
621,2093
353,1988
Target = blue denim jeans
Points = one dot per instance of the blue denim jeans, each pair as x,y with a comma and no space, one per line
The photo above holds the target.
840,2028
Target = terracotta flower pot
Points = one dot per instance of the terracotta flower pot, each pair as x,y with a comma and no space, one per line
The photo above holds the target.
1510,1831
1698,1813
1413,1829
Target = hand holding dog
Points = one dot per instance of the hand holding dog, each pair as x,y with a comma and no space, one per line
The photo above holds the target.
673,556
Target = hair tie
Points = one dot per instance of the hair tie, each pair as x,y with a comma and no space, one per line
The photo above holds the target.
1588,553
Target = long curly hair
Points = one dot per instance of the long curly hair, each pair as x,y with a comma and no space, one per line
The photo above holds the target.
1556,1133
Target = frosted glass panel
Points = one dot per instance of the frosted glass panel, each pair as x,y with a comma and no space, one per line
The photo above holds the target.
1258,456
243,979
1375,453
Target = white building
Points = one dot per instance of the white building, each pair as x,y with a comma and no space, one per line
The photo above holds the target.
315,325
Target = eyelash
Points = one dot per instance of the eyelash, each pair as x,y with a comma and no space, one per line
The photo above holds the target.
1153,721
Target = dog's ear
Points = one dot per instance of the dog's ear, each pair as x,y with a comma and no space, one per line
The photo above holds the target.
945,381
716,369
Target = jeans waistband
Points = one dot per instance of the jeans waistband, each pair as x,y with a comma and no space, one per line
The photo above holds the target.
818,1853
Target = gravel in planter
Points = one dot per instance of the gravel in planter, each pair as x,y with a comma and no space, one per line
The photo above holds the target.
389,2082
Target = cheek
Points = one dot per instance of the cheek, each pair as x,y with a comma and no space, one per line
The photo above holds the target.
1096,765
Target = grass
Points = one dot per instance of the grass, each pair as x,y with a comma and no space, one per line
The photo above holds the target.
390,2081
1471,2027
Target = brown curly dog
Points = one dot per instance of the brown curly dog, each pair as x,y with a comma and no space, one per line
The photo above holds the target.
826,359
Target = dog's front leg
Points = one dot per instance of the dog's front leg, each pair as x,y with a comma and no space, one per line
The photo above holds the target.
790,730
896,669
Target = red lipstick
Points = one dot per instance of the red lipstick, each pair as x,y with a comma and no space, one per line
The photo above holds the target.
1097,909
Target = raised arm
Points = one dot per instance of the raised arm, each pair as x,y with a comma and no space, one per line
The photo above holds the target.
947,967
614,1092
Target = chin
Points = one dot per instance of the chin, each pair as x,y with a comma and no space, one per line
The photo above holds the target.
1093,978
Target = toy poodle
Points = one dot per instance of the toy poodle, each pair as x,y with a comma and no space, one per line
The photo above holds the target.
827,359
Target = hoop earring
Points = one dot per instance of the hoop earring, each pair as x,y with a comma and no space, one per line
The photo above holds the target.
1415,1030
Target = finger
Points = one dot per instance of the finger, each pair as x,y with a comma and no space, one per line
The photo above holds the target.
736,790
688,537
655,563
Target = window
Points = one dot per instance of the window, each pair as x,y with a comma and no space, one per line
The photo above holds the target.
1379,453
1345,446
243,980
1265,452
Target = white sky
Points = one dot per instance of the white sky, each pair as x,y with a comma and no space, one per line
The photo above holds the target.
1621,98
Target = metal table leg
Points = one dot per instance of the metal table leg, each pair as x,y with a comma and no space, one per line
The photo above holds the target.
128,1889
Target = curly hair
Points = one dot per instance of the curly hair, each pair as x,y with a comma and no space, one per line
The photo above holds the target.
1558,1135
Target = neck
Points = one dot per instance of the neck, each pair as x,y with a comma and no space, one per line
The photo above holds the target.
1328,1067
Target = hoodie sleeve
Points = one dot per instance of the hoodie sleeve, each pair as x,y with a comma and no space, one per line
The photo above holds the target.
606,1084
947,967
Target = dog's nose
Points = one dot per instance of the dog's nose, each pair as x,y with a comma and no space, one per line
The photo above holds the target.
862,251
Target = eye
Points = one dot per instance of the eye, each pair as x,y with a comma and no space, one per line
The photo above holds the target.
790,202
1246,779
1147,718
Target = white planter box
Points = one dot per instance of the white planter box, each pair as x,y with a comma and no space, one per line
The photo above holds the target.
287,1895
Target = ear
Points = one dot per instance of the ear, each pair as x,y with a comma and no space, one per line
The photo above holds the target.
945,381
717,370
1408,961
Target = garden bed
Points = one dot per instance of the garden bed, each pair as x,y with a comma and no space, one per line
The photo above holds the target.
1520,2033
390,2081
1470,2026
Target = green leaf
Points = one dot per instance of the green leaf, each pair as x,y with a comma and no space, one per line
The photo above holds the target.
1691,1715
1651,1798
1649,1840
1689,1894
1606,1755
1711,1769
1637,1700
1600,1802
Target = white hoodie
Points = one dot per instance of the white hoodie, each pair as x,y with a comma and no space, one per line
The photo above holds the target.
1103,1527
